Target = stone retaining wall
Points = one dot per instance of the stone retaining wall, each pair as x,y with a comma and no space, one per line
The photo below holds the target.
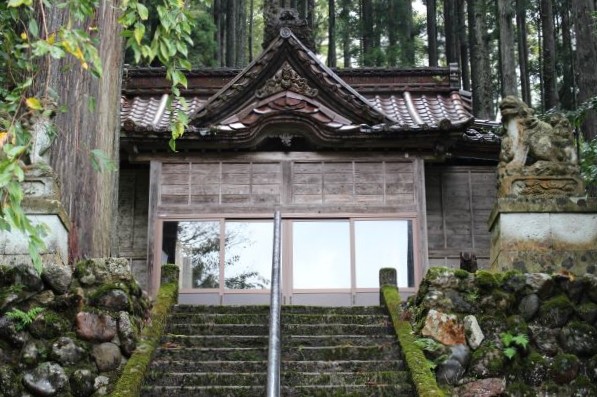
514,334
76,328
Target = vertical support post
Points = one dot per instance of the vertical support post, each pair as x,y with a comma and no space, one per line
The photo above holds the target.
274,352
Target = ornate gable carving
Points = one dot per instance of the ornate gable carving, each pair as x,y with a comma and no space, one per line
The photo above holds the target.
286,79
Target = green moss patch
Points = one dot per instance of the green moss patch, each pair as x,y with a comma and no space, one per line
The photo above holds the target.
130,382
423,379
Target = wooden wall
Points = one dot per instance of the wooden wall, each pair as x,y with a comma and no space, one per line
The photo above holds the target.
459,200
133,199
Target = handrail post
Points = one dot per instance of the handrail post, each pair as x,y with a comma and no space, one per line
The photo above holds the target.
274,352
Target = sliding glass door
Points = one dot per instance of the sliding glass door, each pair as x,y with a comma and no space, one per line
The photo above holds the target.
332,261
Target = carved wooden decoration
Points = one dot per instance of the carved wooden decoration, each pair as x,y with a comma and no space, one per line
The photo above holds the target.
286,79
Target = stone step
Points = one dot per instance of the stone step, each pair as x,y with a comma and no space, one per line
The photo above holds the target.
163,366
380,351
287,318
287,329
256,309
289,341
286,378
373,390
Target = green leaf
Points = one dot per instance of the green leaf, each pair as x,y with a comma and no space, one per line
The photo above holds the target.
139,32
33,27
509,352
521,340
33,103
18,3
143,11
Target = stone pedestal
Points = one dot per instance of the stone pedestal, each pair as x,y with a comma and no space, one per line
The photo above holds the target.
42,205
544,234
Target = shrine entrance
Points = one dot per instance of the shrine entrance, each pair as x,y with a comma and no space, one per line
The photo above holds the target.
343,218
325,261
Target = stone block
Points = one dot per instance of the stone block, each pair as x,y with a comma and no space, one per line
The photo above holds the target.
553,233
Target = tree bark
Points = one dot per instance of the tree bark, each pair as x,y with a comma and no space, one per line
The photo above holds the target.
89,197
507,54
241,39
586,60
407,39
523,50
332,34
250,35
451,31
548,50
567,92
367,36
462,39
346,36
480,69
432,32
231,32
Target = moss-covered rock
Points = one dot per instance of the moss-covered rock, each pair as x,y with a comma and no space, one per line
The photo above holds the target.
513,281
555,312
49,325
564,368
487,361
579,338
520,389
582,386
587,312
534,369
485,281
517,325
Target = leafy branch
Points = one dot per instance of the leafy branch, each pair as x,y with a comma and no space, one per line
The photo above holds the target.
168,44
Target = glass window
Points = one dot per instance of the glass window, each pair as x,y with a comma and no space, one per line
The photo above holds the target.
379,244
248,255
321,254
198,254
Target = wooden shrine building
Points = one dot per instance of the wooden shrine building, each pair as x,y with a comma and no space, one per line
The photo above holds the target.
370,168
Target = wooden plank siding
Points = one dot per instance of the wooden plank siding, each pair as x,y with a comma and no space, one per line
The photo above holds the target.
257,186
133,210
459,200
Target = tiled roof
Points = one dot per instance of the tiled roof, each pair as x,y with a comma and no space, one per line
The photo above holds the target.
289,84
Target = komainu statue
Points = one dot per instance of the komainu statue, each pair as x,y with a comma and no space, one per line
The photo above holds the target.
537,157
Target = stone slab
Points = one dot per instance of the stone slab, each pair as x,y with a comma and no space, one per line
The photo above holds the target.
544,242
15,243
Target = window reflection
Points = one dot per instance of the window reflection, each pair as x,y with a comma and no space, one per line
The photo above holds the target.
379,244
321,254
248,255
198,254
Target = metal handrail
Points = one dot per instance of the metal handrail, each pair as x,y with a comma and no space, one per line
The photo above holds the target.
274,349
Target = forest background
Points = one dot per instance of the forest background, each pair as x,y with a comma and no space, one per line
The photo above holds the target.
61,67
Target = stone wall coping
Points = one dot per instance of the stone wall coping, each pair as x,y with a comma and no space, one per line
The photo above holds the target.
539,204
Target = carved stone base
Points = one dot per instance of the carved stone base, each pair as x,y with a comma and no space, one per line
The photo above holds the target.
540,186
544,234
42,204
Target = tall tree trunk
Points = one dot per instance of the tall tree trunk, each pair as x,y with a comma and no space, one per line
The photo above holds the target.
219,23
462,39
346,36
451,31
89,198
507,54
367,32
523,50
548,50
241,39
332,34
393,49
480,69
407,39
250,35
231,32
586,59
568,90
432,32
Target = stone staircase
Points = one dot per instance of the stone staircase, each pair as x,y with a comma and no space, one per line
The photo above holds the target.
222,351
